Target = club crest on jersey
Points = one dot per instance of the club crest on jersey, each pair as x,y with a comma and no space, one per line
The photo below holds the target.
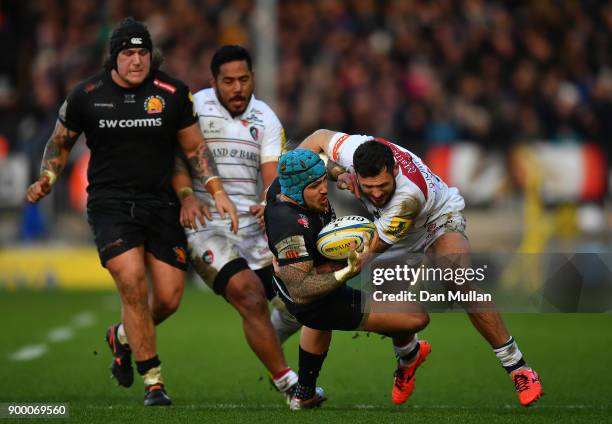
303,220
254,133
181,255
154,104
129,98
208,257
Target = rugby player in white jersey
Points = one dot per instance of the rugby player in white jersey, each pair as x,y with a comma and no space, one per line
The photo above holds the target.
245,137
414,210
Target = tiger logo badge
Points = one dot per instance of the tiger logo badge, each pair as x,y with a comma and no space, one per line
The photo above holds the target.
254,133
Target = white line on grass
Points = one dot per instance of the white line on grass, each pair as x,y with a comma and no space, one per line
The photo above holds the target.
230,406
28,353
84,319
55,335
60,334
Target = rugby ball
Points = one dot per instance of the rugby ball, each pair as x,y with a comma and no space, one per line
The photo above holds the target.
335,239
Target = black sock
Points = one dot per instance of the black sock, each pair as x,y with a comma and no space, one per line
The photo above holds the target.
147,364
310,365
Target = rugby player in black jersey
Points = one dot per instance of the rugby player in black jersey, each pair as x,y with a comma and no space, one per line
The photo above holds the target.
134,118
313,288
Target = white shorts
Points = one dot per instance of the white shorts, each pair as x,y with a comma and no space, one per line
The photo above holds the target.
450,219
214,246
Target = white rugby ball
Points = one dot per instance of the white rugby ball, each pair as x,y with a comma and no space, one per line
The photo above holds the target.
335,239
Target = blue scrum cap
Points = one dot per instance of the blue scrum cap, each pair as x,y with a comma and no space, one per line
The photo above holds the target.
296,169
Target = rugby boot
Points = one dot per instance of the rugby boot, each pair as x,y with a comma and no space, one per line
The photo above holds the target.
403,383
286,384
155,395
528,385
319,397
121,367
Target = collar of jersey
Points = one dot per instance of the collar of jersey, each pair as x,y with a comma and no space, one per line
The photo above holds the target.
116,86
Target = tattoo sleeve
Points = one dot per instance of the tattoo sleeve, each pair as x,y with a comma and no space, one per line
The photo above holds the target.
181,167
203,164
58,148
304,284
333,170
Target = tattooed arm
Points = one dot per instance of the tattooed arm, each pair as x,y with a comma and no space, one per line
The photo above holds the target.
181,175
200,159
54,160
203,167
306,285
192,209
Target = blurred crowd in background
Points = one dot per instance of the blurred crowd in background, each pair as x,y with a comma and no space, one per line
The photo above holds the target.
420,73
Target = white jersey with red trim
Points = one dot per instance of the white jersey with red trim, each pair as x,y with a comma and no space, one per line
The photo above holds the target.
420,197
239,145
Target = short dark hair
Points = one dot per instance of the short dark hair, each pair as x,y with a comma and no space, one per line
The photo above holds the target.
229,53
372,157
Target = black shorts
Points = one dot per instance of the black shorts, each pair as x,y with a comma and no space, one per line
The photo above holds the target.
120,225
340,310
240,264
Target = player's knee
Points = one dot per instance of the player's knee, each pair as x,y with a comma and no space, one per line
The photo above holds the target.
163,311
421,320
251,305
416,321
167,302
167,306
247,298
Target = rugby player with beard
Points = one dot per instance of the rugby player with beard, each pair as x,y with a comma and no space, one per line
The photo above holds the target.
135,117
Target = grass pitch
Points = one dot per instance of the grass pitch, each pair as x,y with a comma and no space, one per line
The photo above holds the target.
53,351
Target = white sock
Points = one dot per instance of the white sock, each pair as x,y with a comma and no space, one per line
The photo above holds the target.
284,324
510,356
286,381
153,376
121,335
403,353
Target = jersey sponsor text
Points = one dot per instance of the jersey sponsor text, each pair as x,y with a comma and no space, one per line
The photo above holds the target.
130,123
